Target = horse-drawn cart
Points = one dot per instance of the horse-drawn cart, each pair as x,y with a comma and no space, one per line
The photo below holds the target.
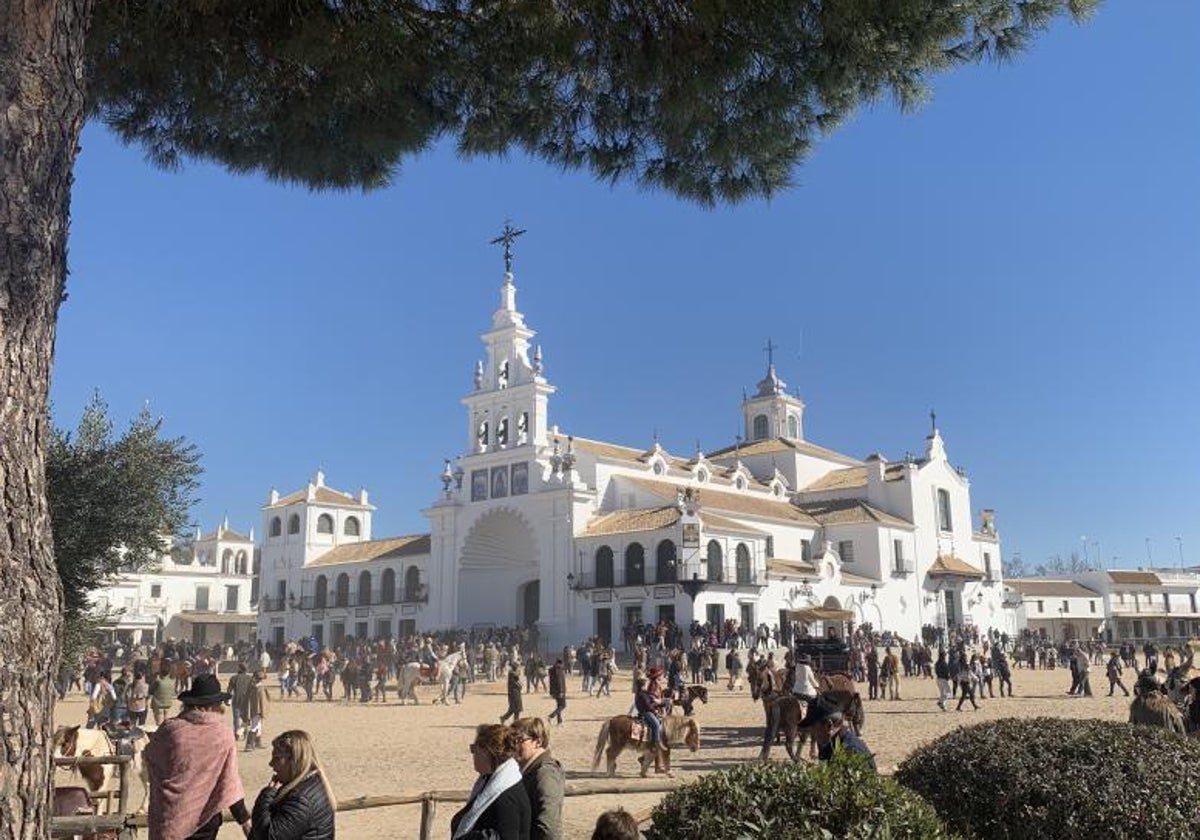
829,652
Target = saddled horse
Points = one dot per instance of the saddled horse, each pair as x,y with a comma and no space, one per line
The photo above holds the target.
784,713
624,732
412,674
181,672
99,779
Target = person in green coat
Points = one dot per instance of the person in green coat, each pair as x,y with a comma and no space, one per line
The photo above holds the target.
542,777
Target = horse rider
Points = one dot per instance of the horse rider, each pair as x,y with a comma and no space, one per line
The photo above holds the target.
647,711
804,684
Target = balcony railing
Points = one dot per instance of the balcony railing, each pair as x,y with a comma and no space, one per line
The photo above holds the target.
685,574
269,604
331,601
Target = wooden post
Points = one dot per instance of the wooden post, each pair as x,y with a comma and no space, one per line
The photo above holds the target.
428,812
123,790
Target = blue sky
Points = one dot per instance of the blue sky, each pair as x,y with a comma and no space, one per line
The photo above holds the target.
1021,254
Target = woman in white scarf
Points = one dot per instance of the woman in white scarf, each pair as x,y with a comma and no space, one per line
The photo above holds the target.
498,808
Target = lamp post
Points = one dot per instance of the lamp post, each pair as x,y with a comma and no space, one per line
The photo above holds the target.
1149,557
1179,542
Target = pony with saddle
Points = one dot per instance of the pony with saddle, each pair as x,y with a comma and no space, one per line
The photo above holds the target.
689,696
625,732
100,781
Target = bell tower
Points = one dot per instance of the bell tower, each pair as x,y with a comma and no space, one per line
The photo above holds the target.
772,412
508,405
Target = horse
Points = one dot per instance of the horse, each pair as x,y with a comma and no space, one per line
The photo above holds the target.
1180,675
617,734
99,779
181,672
784,716
412,674
690,695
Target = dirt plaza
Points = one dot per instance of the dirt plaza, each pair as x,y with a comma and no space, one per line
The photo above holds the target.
386,749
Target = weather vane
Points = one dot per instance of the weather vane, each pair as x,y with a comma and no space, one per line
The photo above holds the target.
506,238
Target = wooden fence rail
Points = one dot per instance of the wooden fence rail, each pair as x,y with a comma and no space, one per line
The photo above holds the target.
428,800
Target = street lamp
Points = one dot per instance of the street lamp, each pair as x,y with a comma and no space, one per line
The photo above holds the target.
1149,557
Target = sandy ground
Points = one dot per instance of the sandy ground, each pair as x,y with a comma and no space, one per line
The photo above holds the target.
382,749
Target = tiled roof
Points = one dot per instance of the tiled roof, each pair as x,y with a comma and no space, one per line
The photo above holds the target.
225,534
203,617
712,522
413,545
773,445
1147,578
632,520
947,565
736,503
1051,588
850,512
617,452
851,579
783,567
322,495
851,477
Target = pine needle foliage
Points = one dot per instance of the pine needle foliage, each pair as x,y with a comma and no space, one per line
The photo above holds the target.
711,100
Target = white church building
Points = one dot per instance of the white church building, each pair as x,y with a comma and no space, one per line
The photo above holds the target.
581,537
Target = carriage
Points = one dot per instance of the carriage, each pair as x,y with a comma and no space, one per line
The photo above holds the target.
830,654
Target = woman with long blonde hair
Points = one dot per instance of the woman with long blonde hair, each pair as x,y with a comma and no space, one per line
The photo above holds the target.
298,803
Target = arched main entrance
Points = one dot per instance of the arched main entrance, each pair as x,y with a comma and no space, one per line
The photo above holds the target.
499,560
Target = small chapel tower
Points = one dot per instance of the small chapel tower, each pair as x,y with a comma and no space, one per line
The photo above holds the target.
772,412
508,405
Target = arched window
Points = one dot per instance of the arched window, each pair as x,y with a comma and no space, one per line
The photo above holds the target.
481,435
351,527
412,584
793,426
635,564
294,524
943,505
502,432
604,566
743,564
343,591
364,589
387,587
276,526
760,427
523,428
502,376
715,561
324,524
321,593
226,561
664,563
241,563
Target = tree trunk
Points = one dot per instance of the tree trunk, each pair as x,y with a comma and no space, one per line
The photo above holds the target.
41,114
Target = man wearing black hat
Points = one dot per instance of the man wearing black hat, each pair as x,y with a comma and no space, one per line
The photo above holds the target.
832,734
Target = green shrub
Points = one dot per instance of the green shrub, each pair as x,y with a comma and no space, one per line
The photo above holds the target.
795,802
1061,779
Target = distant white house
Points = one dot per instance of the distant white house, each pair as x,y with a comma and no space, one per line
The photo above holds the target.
205,595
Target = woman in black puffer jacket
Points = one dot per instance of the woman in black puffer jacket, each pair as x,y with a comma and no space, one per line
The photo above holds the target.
298,803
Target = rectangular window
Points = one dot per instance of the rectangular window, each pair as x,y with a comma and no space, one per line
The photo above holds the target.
1092,605
1137,630
1041,606
519,483
943,504
201,597
770,546
231,599
1066,607
383,628
360,630
747,611
715,613
1192,599
318,633
230,633
806,550
987,565
1166,602
846,551
1120,597
337,632
156,592
666,612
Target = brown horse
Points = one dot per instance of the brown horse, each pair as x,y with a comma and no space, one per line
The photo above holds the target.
617,735
1180,676
181,672
99,779
784,717
691,694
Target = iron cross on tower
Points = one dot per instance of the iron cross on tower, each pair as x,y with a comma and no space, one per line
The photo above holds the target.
770,351
506,238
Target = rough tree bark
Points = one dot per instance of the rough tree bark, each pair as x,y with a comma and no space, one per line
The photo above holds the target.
41,114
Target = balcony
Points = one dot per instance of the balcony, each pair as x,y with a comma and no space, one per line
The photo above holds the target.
686,574
903,566
418,595
268,604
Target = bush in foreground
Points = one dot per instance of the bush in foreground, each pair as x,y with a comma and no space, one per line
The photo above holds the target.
1062,779
841,799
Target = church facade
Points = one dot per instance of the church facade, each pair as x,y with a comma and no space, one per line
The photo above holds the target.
581,537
